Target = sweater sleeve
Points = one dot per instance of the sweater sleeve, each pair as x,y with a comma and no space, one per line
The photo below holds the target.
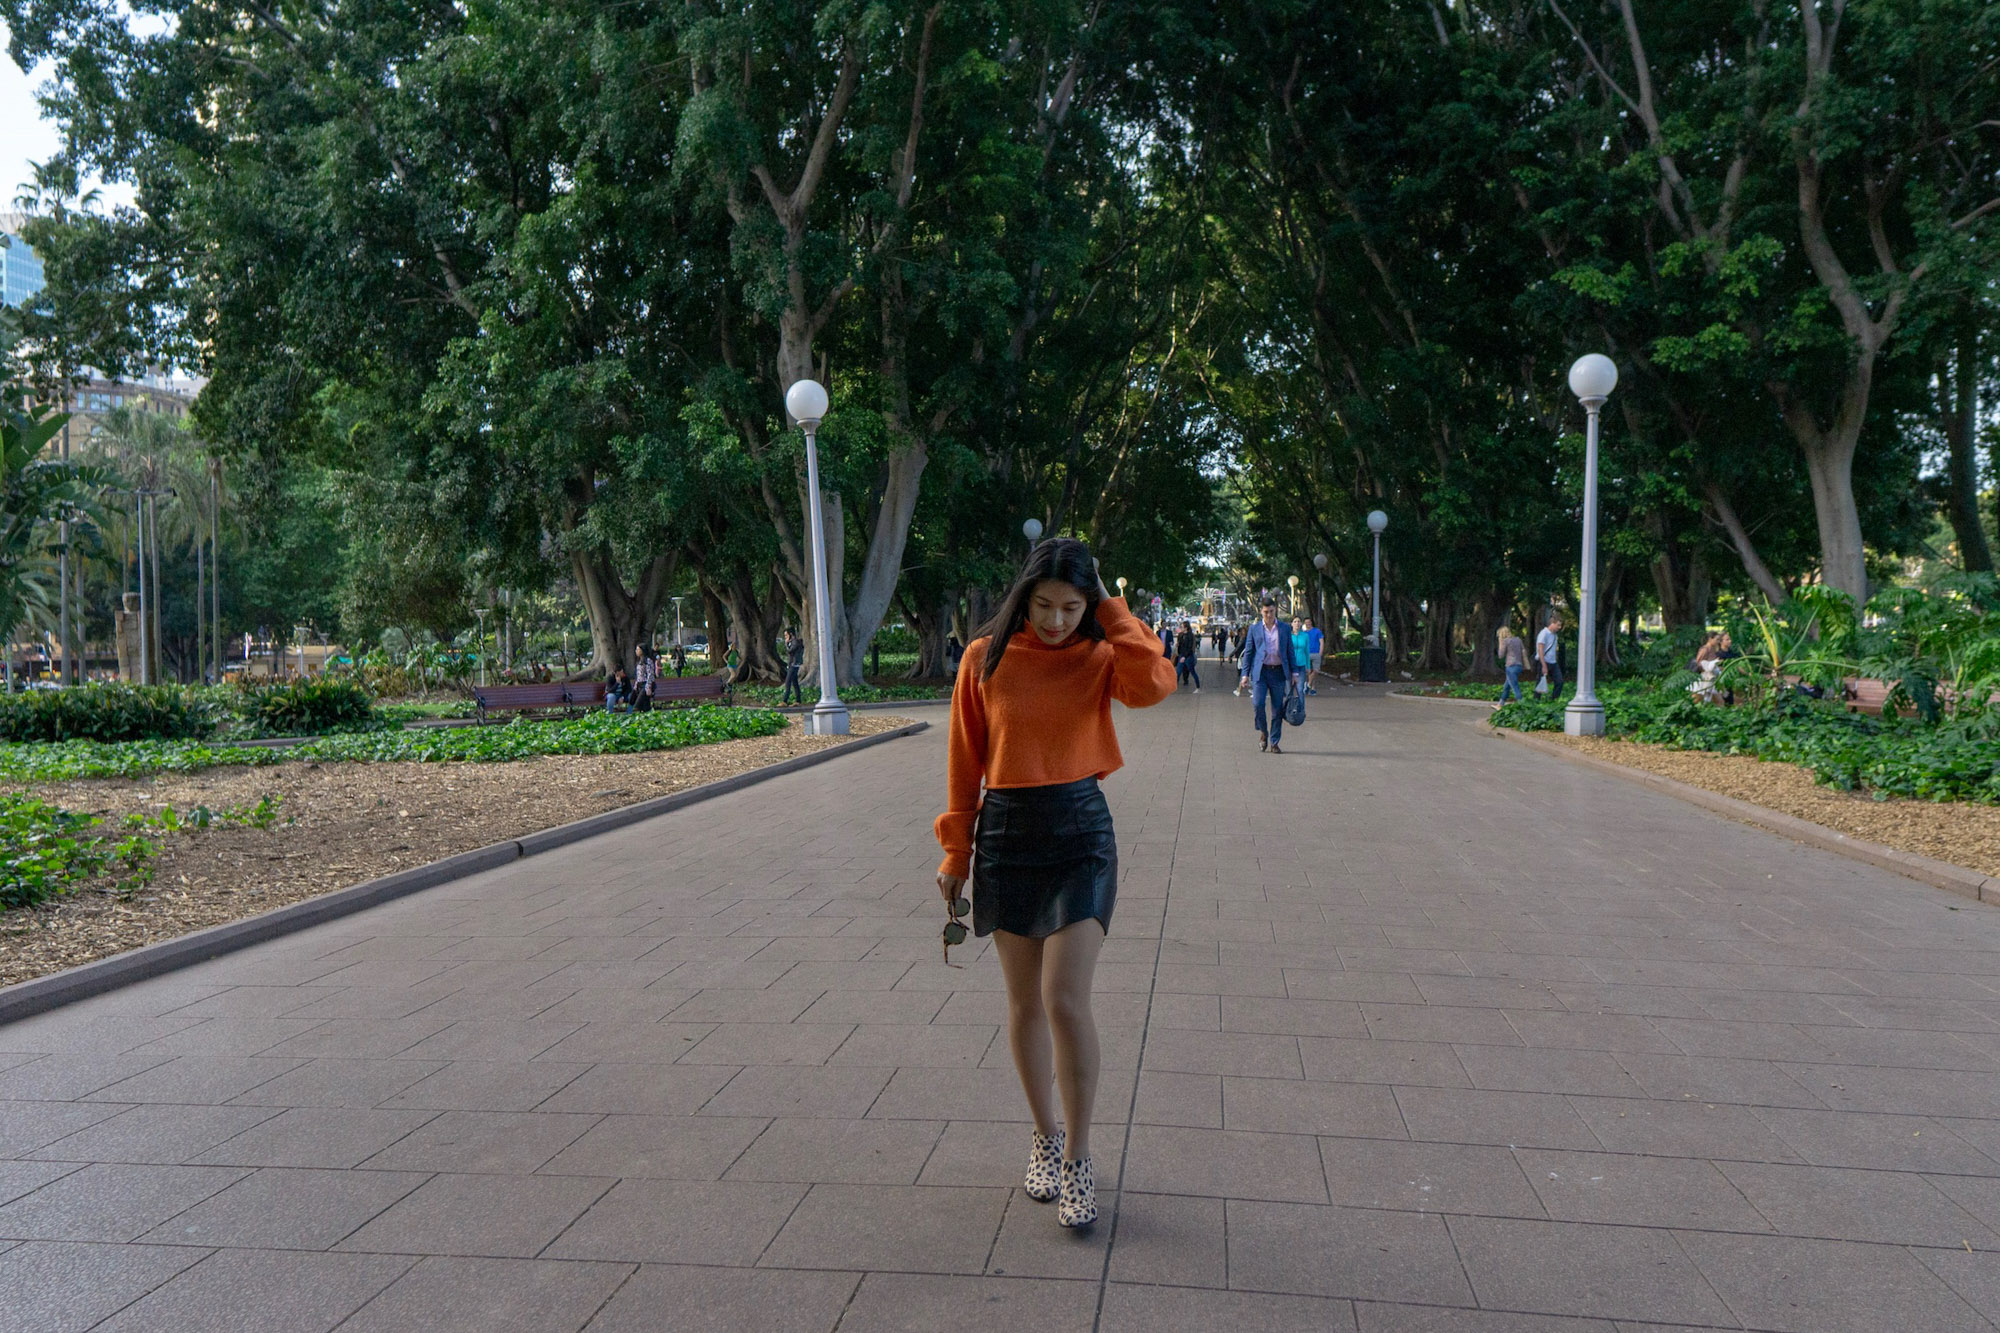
1140,676
965,764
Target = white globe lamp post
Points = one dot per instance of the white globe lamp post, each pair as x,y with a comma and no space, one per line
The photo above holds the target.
1591,379
1377,522
807,402
1032,530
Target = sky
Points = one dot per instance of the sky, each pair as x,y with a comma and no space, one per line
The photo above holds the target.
24,136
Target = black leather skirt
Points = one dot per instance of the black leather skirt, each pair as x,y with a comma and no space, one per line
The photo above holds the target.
1043,858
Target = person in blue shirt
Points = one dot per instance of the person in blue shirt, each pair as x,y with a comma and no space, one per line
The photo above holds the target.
1315,639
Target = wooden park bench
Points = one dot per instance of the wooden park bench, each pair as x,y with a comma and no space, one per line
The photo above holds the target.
693,689
575,696
566,697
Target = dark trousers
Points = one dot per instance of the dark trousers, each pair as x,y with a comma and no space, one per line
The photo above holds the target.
1188,670
793,691
1555,674
1270,687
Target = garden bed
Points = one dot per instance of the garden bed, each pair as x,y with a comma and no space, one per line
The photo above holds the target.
341,823
1957,832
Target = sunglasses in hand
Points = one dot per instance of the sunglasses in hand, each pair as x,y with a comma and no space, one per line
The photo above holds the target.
954,929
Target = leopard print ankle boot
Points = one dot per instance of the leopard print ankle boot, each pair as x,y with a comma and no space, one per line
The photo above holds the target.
1079,1193
1044,1180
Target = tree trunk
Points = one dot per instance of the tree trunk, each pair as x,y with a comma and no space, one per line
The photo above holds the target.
1610,594
756,626
620,621
1487,612
931,630
1438,654
883,564
1961,431
716,617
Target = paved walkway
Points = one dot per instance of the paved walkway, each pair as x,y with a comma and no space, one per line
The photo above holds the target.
1431,1028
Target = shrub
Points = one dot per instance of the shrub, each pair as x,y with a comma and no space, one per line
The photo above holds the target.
105,712
317,706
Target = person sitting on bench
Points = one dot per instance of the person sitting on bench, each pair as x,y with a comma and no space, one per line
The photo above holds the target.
618,692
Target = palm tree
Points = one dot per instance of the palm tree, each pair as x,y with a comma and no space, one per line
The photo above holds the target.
36,495
159,456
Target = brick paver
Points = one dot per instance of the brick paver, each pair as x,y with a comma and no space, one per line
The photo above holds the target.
1407,1029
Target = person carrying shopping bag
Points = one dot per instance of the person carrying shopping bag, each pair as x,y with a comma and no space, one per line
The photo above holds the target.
1265,668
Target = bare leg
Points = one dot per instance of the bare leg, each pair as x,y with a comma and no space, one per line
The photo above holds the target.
1028,1023
1069,965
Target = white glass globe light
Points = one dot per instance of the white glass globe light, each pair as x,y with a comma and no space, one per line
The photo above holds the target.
1377,521
807,402
1593,376
1032,529
1319,561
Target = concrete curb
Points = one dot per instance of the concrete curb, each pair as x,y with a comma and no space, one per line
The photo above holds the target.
94,978
1487,704
1938,874
794,710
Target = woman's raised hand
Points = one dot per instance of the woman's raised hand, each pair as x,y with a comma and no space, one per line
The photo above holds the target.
1103,593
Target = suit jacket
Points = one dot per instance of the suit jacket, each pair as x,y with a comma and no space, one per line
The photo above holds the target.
1252,659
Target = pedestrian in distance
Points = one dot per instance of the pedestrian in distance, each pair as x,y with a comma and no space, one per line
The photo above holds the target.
1548,656
1513,660
1186,649
795,658
1265,670
1031,721
679,656
1237,640
645,679
1315,640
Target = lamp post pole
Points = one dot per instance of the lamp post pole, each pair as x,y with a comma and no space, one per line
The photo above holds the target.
481,613
807,402
1591,379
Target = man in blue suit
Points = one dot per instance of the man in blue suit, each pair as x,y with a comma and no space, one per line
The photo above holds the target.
1266,667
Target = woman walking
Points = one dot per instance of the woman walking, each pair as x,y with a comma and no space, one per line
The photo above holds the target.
1031,719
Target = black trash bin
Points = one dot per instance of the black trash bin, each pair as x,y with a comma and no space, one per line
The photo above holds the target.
1374,664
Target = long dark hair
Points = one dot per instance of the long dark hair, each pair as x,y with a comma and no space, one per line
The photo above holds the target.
1059,560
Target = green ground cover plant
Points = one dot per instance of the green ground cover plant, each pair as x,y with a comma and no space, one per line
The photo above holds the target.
595,733
1937,739
45,851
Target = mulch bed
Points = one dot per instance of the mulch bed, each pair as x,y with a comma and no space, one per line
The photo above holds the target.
1957,832
340,824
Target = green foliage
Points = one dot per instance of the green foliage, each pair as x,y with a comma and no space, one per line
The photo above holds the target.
596,733
46,850
315,706
108,711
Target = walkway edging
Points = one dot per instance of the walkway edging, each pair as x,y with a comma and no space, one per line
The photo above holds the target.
94,978
1938,874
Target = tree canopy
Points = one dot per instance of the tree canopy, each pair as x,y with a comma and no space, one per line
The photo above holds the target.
499,295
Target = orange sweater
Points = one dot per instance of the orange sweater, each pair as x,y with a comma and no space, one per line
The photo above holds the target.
1045,716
